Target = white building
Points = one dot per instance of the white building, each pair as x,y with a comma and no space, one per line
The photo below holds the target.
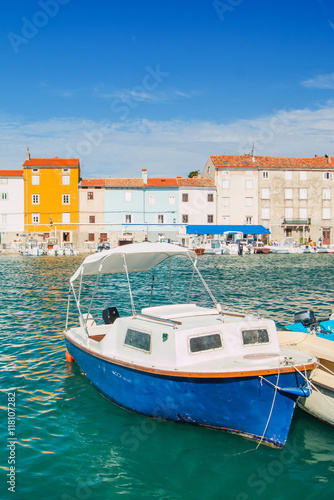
197,200
11,205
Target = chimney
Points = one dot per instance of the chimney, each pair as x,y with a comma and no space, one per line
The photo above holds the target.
144,175
198,174
27,154
329,160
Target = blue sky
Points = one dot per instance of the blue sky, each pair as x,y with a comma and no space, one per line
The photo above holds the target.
163,84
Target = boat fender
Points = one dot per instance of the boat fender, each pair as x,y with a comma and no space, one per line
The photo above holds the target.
69,358
296,392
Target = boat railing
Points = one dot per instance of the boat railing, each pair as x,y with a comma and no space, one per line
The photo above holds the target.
162,320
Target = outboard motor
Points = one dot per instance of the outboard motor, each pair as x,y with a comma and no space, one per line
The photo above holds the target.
306,318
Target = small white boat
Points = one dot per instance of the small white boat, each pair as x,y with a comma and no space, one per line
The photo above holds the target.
320,404
68,249
183,362
33,248
286,246
51,246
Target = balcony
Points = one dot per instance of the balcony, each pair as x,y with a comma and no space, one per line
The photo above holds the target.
296,222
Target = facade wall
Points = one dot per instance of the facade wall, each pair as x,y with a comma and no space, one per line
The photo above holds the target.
91,204
147,212
198,209
237,193
300,204
46,209
11,206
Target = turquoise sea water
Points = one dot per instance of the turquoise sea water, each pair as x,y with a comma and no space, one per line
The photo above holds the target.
74,444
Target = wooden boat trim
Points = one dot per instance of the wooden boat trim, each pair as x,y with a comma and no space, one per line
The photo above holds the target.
176,373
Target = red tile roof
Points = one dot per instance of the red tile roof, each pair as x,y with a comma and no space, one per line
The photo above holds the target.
226,161
93,182
195,182
11,173
151,182
36,162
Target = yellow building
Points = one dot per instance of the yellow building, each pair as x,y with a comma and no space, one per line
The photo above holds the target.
51,199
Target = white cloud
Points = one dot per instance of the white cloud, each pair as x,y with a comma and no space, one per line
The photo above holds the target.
320,82
165,148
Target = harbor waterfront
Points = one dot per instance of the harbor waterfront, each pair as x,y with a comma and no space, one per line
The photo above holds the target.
71,443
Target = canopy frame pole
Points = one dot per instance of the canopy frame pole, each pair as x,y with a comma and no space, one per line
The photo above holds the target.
94,291
80,313
68,306
191,284
206,286
134,314
152,285
170,279
80,285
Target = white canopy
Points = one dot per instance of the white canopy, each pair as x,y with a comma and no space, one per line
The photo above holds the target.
139,257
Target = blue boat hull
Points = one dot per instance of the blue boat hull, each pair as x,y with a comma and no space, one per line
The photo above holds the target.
235,404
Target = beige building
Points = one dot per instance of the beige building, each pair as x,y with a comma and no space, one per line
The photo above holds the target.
291,196
91,213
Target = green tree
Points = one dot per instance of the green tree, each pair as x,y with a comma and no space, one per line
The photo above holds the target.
193,173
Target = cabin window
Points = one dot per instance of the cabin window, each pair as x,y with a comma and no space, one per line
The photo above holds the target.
257,336
138,340
205,343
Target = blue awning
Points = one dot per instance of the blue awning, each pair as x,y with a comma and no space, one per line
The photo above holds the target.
221,229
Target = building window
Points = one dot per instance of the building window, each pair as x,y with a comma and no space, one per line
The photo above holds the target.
90,195
288,194
225,172
210,219
326,194
210,197
66,199
151,199
249,184
103,237
35,199
248,202
66,180
35,180
303,213
66,218
326,213
265,213
4,196
185,197
226,184
288,175
128,219
66,170
303,194
92,219
226,202
91,237
35,170
171,199
35,218
265,193
328,176
160,219
289,213
248,219
185,218
127,196
303,176
265,175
